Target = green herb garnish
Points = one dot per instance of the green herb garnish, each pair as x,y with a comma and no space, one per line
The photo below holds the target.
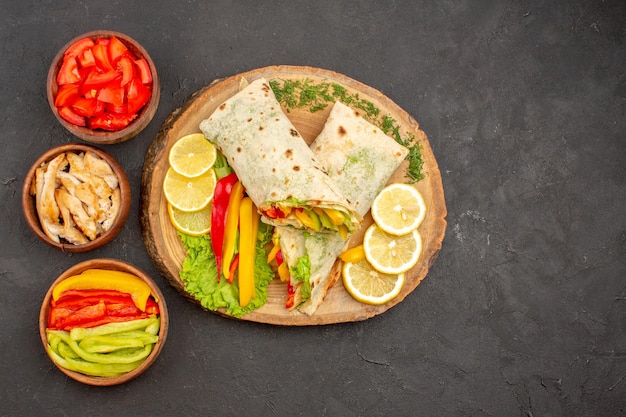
317,96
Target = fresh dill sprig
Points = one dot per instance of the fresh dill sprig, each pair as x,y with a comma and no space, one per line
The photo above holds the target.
317,96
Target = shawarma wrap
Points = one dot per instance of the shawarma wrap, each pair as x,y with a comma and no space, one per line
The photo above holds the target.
278,170
360,158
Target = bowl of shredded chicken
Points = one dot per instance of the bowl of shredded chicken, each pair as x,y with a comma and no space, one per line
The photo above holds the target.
76,197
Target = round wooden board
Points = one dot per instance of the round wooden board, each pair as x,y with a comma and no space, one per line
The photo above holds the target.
167,252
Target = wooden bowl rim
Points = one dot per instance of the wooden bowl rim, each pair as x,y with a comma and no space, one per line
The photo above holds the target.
102,137
30,211
116,265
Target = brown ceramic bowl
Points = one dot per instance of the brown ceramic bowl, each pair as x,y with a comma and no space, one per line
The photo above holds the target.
29,205
116,265
99,136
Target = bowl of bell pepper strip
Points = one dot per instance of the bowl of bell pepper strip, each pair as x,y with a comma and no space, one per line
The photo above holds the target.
103,322
103,87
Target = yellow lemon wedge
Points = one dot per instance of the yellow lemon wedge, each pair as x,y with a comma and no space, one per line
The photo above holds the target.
189,194
391,254
398,209
192,155
369,286
192,223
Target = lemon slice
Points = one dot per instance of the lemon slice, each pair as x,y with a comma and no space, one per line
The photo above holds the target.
398,209
192,223
189,194
391,254
367,285
192,155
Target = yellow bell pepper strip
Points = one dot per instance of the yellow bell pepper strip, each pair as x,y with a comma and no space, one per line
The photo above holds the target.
283,272
248,226
343,231
102,279
324,219
230,228
353,255
336,217
275,248
308,220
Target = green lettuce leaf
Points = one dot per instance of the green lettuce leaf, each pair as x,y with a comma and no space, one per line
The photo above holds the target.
301,271
199,275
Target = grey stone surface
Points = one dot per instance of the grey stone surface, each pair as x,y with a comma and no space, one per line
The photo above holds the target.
524,312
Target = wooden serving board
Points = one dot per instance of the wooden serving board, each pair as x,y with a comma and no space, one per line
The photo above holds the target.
168,253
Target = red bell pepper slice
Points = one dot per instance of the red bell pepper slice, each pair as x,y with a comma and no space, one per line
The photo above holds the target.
116,49
66,94
233,268
82,316
145,75
73,294
101,54
291,295
152,307
70,116
78,47
112,122
221,196
68,73
138,95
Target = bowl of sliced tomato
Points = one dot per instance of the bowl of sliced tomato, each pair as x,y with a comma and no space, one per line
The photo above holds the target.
103,87
103,322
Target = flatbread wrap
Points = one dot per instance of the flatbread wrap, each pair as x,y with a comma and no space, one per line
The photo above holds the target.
278,170
360,158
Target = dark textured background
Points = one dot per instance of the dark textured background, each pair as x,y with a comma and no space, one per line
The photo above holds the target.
524,312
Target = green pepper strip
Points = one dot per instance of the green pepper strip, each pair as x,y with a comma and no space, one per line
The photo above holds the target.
146,337
107,344
79,333
122,356
93,369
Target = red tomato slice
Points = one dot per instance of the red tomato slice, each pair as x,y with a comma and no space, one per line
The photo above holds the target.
112,108
100,53
110,121
97,80
145,75
102,41
127,68
85,106
100,108
68,73
117,49
112,95
66,94
138,95
78,47
86,58
69,115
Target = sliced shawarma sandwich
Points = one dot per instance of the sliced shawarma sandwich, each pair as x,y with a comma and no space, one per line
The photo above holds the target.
361,159
279,171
